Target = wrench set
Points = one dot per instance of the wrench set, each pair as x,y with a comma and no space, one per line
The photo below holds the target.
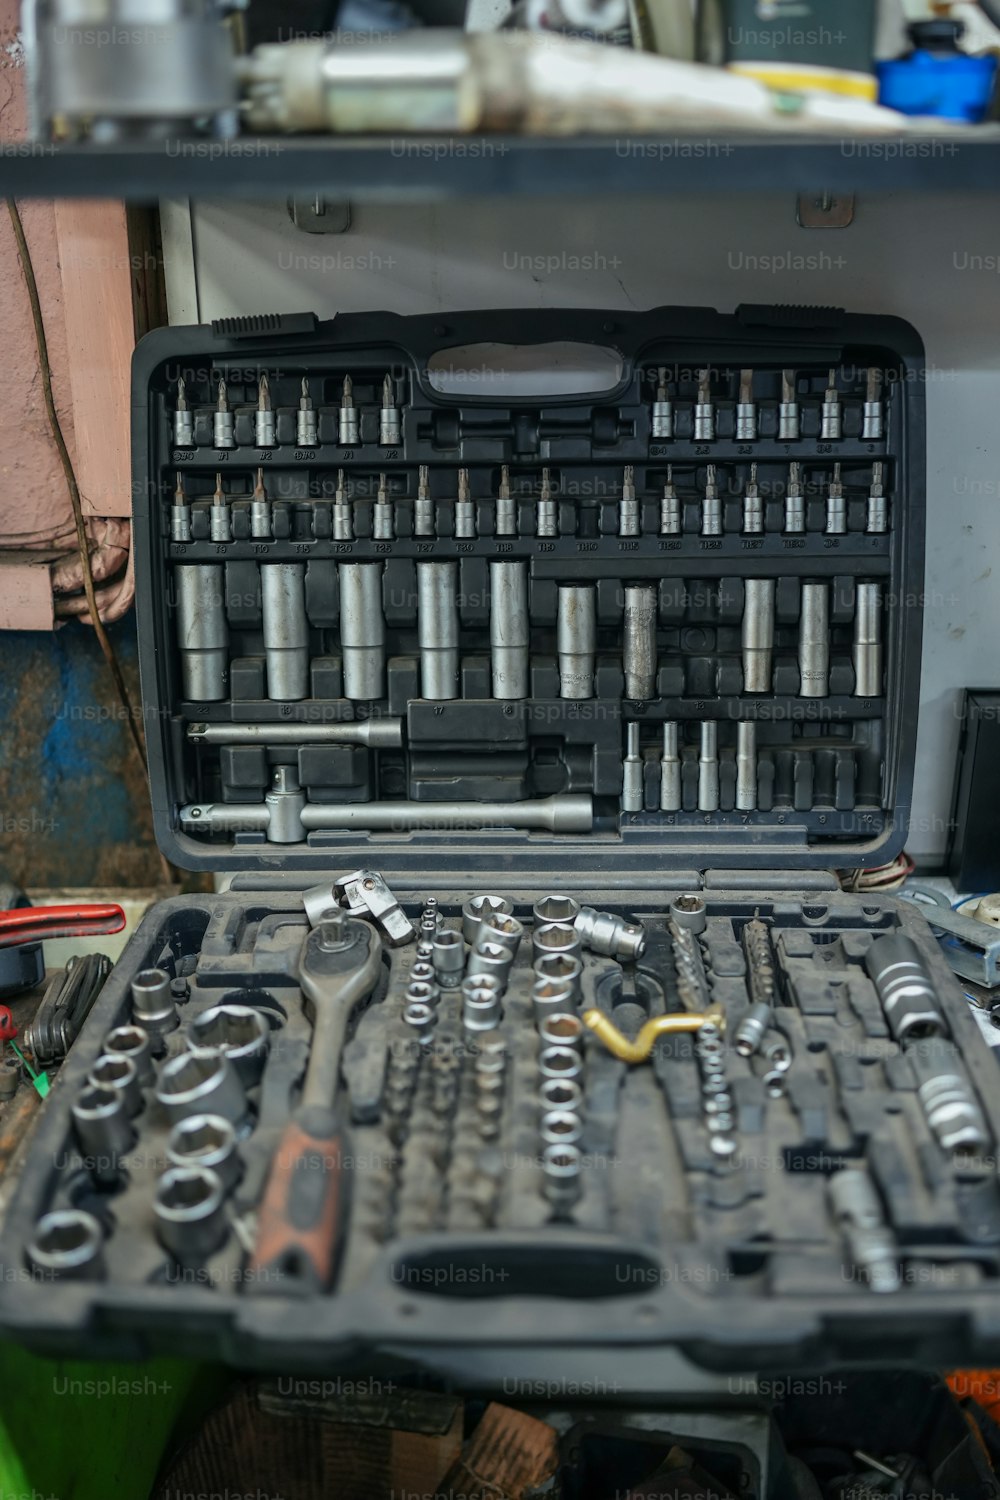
705,1109
687,604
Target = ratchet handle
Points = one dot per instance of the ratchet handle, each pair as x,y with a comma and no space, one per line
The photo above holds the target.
300,1220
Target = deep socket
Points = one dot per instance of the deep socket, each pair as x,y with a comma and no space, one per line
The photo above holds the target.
758,634
670,769
362,630
154,1007
437,623
240,1032
633,771
577,639
814,641
708,767
868,641
190,1213
286,631
209,1142
202,632
905,988
118,1072
68,1245
746,766
639,649
104,1131
510,633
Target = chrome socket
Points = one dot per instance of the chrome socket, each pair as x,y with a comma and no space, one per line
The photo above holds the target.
558,909
604,932
498,927
481,1008
133,1042
552,997
202,1083
68,1245
556,938
906,990
561,1127
190,1214
491,1056
776,1054
103,1130
421,1018
154,1007
477,908
561,1093
239,1032
491,958
561,1029
119,1073
206,1141
562,1166
448,957
560,1062
752,1029
689,911
560,966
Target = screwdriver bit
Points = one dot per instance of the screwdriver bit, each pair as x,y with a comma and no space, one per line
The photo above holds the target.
223,422
465,518
711,506
183,418
423,510
628,505
306,435
382,518
670,508
506,506
343,519
704,410
348,415
831,419
260,509
547,523
873,425
753,506
746,410
264,415
877,519
180,514
795,506
389,430
221,525
836,506
788,411
663,410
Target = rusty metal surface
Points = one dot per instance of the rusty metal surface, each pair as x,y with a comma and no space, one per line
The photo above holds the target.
74,803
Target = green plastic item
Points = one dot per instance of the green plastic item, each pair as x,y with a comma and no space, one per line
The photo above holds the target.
40,1080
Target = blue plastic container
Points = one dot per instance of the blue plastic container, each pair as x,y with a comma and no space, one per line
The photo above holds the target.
937,77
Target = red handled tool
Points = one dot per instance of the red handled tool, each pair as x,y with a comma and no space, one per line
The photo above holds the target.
37,924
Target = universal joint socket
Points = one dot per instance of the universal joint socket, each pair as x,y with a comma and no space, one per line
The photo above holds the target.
604,932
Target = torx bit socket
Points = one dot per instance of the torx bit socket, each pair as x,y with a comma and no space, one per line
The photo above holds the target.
224,431
286,631
633,768
306,433
547,509
708,767
465,511
872,427
758,634
506,506
202,632
362,630
670,507
348,415
795,505
746,766
383,526
264,415
814,641
343,516
711,506
663,410
877,517
868,641
183,418
219,518
510,633
831,417
389,430
576,639
260,509
704,410
753,506
788,410
180,514
639,645
437,628
746,410
629,520
836,506
670,769
423,508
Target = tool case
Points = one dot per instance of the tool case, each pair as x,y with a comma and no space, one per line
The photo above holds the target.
318,704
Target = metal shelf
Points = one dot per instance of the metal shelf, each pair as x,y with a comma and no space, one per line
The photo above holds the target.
428,167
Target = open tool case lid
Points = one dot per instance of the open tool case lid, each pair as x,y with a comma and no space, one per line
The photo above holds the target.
836,773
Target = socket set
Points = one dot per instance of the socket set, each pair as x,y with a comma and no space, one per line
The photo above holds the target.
302,1123
649,620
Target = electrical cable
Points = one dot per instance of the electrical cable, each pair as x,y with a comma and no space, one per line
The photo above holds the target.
41,342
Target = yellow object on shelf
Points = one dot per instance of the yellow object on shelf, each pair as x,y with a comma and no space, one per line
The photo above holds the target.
657,1026
801,78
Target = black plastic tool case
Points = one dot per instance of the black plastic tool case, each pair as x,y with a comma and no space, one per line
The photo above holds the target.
451,1243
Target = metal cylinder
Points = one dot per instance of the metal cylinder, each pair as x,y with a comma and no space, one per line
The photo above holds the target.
562,1166
448,957
858,1212
670,769
947,1096
510,633
502,928
565,813
202,1083
560,1028
68,1245
264,428
708,767
132,1042
240,1032
491,958
104,1131
576,632
153,1006
868,641
286,630
557,937
476,908
752,1029
190,1213
560,1062
552,997
223,429
633,772
905,988
814,641
560,1127
202,632
606,932
117,1072
206,1141
437,628
557,908
758,634
746,766
362,630
560,1093
639,650
481,1003
560,967
689,912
